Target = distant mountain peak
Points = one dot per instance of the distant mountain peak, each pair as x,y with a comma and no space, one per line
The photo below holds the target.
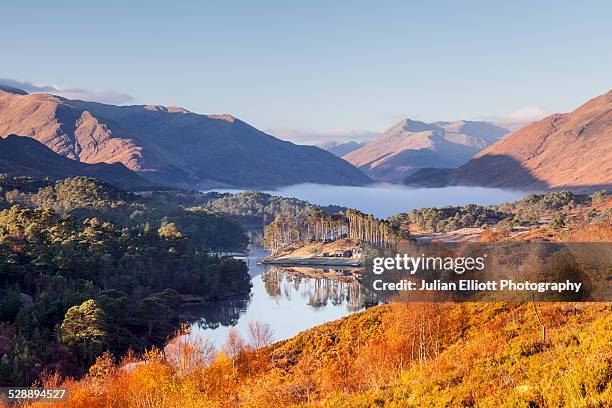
341,148
410,145
415,126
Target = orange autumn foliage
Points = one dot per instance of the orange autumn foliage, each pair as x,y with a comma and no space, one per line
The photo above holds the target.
420,354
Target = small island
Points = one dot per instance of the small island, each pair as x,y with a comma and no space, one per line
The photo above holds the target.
316,238
342,252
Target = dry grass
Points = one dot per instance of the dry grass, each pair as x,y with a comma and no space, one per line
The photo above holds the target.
315,249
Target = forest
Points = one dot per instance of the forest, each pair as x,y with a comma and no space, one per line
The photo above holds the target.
252,209
256,209
314,224
85,267
530,211
450,218
87,198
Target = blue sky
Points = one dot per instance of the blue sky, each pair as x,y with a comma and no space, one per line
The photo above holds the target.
318,69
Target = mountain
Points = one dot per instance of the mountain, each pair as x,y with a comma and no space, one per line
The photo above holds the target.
170,145
23,156
411,145
341,148
13,90
569,150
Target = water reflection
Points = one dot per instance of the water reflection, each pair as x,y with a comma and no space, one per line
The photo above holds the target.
212,315
303,281
289,299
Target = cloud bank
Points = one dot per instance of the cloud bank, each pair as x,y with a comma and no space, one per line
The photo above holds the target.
102,96
318,136
518,118
526,114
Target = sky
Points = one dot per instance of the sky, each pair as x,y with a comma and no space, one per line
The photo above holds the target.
316,70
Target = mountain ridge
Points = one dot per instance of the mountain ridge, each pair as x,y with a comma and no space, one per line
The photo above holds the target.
564,150
170,145
410,145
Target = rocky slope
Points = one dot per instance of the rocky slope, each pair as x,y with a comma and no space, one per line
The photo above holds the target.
412,145
170,145
569,150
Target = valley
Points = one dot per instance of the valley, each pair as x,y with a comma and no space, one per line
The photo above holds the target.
320,204
252,309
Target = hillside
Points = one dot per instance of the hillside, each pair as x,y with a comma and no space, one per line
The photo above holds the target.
81,258
398,355
170,145
412,145
22,156
570,150
256,209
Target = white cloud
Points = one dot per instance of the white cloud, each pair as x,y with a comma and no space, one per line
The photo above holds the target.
98,95
318,136
526,114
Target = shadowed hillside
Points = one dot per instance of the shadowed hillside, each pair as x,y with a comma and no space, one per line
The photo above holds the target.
569,150
22,156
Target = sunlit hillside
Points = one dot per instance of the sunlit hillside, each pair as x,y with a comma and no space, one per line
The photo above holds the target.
397,355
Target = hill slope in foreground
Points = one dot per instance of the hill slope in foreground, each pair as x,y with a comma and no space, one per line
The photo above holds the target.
22,156
396,355
171,145
570,150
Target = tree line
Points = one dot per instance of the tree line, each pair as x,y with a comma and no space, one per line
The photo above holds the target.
256,209
85,198
529,211
316,225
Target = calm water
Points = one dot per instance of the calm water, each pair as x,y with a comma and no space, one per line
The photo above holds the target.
290,303
384,200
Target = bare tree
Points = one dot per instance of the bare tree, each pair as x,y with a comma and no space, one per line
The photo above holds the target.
260,334
234,344
188,354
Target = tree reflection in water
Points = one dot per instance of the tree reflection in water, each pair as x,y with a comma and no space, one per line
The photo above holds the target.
315,288
310,284
211,315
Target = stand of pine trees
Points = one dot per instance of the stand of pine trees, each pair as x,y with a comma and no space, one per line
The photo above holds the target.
318,226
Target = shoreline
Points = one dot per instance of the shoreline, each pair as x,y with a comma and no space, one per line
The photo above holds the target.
313,261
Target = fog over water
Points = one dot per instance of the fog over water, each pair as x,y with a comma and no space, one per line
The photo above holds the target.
384,200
